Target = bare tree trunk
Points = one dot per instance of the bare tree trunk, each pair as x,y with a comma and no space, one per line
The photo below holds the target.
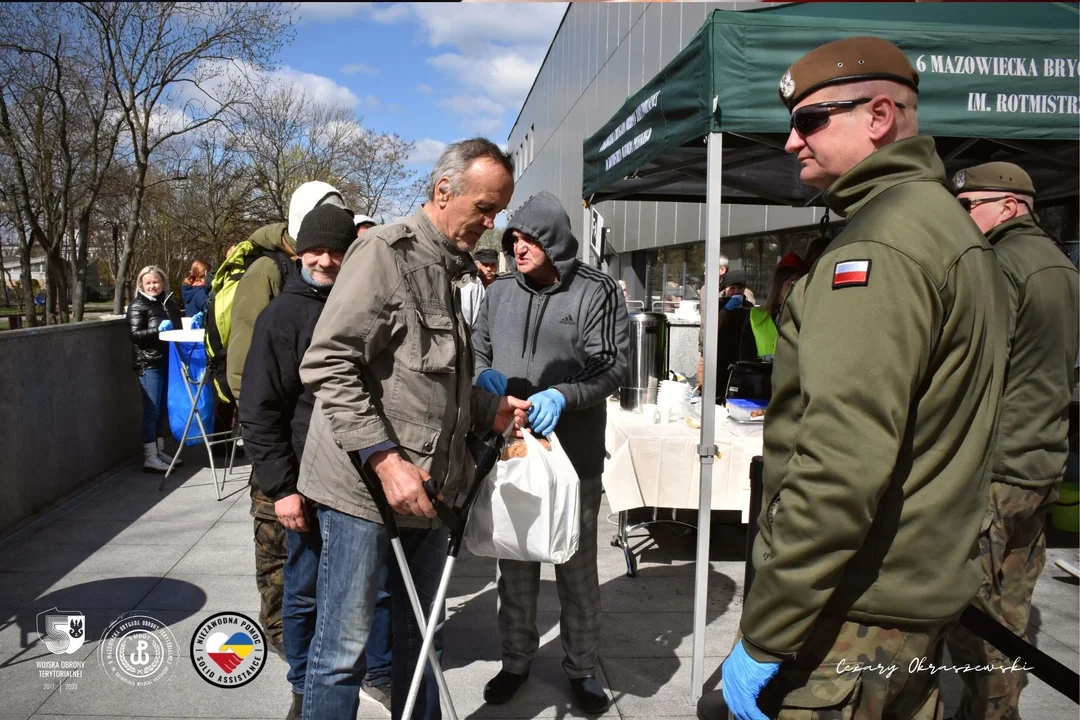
130,232
28,290
82,239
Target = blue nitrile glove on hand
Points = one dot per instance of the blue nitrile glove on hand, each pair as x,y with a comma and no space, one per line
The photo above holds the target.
546,408
164,326
198,320
743,679
493,381
734,303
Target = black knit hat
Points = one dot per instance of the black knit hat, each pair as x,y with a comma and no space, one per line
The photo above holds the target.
327,226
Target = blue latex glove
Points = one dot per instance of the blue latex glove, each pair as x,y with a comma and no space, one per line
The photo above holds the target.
493,381
164,326
546,408
744,678
198,320
734,303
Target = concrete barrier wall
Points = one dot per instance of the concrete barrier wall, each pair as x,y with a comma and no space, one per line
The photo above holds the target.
70,409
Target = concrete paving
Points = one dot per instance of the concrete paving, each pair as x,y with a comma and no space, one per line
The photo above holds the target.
180,556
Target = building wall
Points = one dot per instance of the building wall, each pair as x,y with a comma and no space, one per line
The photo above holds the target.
602,53
70,409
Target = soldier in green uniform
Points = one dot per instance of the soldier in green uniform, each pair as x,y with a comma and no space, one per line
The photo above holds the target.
886,382
1029,460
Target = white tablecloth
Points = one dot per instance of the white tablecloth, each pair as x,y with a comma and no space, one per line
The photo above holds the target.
658,465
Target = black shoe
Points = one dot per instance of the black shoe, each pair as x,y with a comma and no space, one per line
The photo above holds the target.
502,687
711,706
297,709
589,696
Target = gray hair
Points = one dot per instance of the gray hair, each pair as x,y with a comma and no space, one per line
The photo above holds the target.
152,269
459,156
723,261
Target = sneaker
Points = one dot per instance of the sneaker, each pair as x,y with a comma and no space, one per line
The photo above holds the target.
589,696
502,687
378,694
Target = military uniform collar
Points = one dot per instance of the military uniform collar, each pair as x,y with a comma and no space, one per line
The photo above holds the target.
1025,224
458,263
909,160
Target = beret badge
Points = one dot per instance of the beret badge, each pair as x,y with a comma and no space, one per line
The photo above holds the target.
787,85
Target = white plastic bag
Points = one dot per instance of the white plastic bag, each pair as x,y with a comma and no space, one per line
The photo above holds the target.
528,508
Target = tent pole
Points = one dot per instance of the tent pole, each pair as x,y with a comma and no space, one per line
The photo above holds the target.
707,445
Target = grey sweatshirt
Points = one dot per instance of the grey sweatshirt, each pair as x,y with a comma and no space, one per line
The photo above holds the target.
571,336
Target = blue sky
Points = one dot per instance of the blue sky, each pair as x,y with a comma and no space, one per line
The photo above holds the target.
431,72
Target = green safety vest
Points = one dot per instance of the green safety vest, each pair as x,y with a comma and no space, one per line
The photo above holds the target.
764,329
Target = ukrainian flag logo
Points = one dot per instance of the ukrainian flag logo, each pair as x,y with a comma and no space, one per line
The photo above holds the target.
228,650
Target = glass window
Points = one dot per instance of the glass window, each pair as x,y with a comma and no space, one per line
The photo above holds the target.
695,270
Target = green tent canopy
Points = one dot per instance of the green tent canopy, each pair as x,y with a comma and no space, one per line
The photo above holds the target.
998,81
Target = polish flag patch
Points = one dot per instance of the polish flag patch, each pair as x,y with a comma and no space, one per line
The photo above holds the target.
851,273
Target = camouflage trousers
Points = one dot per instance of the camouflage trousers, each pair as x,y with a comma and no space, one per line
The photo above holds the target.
270,553
849,671
1012,548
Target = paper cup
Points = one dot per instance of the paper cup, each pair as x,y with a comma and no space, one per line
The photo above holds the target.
648,411
187,322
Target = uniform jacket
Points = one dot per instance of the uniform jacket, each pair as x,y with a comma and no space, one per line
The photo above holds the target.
277,409
1042,327
885,401
391,361
571,336
144,314
260,284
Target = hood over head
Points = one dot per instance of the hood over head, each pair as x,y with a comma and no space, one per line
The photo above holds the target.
543,218
308,197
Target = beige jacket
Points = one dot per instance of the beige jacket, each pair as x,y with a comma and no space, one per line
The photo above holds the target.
391,360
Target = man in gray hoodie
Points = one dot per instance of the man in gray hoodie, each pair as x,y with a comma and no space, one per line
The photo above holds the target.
554,330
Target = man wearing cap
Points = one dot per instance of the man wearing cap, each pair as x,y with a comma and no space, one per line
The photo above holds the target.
275,417
1032,446
473,293
886,386
363,224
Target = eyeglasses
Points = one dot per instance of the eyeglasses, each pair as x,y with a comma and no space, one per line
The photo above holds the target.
968,203
813,117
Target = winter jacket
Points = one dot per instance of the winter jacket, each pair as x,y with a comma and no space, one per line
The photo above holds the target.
195,296
391,362
260,284
144,314
571,336
276,408
886,387
1042,333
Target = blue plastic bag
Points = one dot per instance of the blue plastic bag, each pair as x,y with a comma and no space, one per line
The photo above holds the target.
193,355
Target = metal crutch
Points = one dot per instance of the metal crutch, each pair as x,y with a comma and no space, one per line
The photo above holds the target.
455,519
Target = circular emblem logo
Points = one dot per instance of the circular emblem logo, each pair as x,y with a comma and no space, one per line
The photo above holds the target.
228,650
959,179
787,85
138,650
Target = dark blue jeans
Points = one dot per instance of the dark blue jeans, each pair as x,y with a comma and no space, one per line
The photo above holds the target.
154,383
299,609
351,562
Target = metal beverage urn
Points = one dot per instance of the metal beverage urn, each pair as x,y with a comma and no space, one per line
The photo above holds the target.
648,361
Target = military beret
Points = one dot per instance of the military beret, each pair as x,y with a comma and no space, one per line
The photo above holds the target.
486,256
853,59
1001,176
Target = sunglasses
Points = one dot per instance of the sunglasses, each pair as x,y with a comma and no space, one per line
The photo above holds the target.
968,203
809,118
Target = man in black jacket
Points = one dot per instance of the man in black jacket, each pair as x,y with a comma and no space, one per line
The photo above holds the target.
276,412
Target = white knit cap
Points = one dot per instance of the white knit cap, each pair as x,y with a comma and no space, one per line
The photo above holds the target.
359,220
308,197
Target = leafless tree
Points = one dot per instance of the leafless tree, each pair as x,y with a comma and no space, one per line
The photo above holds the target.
176,67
